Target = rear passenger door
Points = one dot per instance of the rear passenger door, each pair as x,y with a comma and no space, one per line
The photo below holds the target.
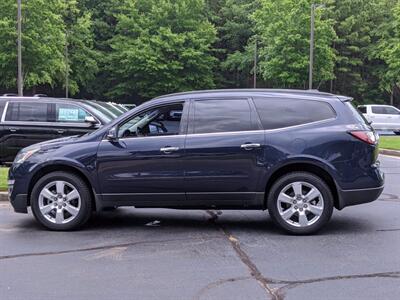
24,124
224,154
380,118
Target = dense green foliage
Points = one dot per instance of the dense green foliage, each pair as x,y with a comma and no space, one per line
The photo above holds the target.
132,50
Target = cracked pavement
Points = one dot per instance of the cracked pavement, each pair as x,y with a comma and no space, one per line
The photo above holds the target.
206,255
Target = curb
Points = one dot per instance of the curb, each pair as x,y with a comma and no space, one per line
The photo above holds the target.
389,152
3,196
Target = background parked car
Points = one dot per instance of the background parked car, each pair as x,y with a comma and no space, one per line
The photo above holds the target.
28,120
382,117
130,106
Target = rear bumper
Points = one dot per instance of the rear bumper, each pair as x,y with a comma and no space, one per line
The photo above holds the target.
359,196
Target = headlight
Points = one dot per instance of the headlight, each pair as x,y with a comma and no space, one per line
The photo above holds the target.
24,155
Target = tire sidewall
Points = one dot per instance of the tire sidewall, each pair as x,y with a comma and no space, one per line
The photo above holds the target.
280,184
84,212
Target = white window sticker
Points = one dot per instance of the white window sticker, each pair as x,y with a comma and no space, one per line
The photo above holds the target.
68,114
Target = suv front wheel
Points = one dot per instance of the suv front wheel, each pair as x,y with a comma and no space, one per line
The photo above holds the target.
61,201
300,203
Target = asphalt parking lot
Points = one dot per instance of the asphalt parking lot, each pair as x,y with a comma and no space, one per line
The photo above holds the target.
169,254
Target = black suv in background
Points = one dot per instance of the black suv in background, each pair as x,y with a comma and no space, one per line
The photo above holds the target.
28,120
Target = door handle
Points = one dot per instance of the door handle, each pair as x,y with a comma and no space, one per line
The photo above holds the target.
250,146
169,149
60,131
12,129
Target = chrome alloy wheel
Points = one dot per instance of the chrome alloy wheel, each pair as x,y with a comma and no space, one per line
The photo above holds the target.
59,202
300,204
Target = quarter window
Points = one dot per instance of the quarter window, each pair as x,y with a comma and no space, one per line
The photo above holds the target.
280,113
70,113
27,111
222,116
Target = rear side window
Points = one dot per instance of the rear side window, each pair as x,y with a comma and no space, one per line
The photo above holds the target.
385,110
27,111
280,113
222,116
356,113
70,113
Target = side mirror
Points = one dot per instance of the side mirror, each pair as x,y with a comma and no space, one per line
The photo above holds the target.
112,134
91,120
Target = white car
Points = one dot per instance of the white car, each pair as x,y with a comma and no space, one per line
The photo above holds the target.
382,117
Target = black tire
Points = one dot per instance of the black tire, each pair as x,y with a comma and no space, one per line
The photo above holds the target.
284,181
85,210
396,132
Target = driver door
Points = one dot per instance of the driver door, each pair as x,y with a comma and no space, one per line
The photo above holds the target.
144,166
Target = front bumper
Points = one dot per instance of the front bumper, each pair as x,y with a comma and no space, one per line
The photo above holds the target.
20,203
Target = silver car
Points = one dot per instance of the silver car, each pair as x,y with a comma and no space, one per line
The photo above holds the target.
382,117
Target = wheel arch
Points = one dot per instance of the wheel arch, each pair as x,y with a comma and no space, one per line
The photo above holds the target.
46,169
305,166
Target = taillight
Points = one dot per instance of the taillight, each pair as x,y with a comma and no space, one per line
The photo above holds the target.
368,137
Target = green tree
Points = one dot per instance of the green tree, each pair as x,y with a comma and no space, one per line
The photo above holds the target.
161,46
235,44
42,42
387,47
284,29
80,58
355,71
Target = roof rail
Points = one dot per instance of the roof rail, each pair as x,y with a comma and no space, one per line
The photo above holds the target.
40,95
10,95
282,91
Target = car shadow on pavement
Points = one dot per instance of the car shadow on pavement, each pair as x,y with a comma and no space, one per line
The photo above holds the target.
124,219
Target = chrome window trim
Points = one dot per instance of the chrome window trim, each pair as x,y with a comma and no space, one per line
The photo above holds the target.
24,123
63,124
230,132
147,137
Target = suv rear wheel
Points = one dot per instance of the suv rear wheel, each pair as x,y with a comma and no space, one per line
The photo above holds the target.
300,203
61,201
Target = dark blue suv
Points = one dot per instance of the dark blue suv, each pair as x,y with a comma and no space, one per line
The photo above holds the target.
297,154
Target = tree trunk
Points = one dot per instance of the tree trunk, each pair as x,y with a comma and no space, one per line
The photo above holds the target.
392,96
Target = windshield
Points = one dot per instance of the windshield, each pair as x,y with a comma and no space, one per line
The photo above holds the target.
117,112
102,109
106,115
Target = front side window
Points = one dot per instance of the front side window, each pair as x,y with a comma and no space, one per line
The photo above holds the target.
222,116
281,113
165,120
27,111
70,113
